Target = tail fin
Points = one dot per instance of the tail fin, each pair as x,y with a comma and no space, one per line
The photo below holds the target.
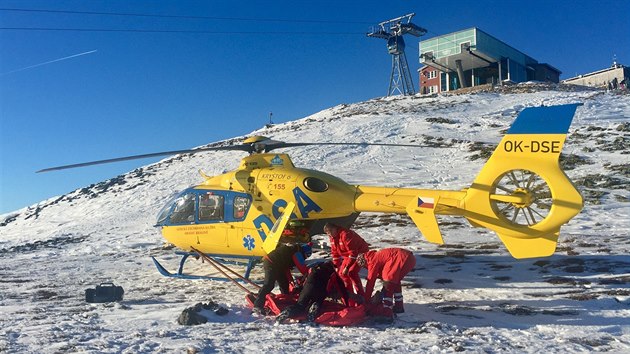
522,193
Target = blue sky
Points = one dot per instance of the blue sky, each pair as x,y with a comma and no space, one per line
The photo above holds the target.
141,92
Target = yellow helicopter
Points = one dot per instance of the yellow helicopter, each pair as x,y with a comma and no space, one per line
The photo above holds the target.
521,193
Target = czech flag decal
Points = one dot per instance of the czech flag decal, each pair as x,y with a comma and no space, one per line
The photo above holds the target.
426,202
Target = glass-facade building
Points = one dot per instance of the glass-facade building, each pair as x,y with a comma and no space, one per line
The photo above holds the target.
472,57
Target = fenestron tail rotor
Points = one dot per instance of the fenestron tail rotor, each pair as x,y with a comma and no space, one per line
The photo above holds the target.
521,197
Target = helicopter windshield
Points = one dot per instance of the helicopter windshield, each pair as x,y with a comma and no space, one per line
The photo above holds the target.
166,209
184,209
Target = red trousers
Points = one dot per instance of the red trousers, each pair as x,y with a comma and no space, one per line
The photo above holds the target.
352,281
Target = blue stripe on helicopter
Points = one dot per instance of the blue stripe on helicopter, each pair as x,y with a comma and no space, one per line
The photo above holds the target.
544,120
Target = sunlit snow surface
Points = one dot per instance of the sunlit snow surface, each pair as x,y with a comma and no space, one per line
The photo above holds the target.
469,295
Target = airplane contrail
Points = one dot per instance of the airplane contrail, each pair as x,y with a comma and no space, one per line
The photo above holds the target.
49,62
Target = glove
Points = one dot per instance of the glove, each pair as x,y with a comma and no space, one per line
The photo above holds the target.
356,298
377,298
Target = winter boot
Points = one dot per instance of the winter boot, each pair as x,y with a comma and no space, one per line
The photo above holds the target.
313,312
283,316
257,312
290,312
398,303
384,312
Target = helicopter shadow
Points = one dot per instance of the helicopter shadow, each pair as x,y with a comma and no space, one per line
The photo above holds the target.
498,271
519,314
500,291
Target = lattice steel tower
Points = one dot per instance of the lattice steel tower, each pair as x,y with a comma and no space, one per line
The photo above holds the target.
393,31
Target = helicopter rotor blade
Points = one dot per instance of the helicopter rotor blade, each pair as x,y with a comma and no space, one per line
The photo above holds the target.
256,145
284,145
247,148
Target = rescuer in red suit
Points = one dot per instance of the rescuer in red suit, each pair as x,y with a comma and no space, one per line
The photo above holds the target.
390,265
345,246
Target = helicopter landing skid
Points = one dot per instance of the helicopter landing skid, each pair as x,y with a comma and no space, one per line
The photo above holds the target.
249,262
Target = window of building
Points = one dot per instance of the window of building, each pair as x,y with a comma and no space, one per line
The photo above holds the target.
432,74
433,89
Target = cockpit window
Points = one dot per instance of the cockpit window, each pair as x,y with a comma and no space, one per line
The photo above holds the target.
210,207
240,207
184,210
165,211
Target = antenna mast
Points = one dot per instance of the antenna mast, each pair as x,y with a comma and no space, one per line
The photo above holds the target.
393,30
270,124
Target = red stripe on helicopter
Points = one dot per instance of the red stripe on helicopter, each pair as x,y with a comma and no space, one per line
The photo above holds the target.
426,202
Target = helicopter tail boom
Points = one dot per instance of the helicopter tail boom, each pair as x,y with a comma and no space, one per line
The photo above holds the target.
420,204
521,192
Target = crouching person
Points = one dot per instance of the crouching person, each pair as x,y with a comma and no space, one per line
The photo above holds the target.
322,281
277,265
390,265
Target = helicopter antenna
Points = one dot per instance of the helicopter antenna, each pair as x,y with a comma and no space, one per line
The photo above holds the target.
393,30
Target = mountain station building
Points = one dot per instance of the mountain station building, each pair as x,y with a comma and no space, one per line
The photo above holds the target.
611,78
472,57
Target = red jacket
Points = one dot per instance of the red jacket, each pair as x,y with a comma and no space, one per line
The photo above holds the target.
389,264
346,244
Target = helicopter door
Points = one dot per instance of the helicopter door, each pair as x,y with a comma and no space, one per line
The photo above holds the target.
211,210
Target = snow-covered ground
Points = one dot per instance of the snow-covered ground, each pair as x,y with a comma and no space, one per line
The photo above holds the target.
468,295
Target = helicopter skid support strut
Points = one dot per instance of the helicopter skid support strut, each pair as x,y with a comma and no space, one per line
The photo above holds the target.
249,262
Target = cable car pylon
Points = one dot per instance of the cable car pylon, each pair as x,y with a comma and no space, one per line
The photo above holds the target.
393,30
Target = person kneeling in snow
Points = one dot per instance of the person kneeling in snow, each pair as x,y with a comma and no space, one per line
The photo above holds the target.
321,282
390,265
277,265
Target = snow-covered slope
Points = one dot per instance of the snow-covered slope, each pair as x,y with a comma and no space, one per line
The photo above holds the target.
467,295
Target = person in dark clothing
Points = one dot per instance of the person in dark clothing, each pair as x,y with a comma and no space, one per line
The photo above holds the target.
321,282
277,266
